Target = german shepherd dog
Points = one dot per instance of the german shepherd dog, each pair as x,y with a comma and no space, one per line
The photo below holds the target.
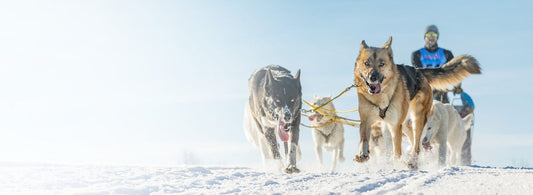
273,112
389,93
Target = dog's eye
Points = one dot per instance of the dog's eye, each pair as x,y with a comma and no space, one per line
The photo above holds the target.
367,63
381,64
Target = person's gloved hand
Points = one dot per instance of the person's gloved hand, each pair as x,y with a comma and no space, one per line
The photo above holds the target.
457,90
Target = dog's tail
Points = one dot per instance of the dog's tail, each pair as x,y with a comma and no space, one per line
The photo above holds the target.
451,73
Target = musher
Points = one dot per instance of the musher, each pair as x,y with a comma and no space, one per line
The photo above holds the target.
433,56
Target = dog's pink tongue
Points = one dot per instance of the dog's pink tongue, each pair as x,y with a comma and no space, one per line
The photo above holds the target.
376,88
283,135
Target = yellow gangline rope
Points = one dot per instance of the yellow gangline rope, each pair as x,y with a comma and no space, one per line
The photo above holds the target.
345,90
328,110
337,119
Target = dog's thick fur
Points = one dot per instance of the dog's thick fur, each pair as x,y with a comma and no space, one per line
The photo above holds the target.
446,129
389,92
273,112
327,134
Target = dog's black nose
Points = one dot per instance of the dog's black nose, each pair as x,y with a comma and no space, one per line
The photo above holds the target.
425,139
374,76
287,117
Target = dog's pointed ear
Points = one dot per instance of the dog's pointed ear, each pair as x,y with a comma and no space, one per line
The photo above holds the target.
388,47
268,78
297,75
363,45
388,43
298,82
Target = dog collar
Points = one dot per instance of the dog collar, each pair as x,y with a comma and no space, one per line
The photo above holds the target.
382,112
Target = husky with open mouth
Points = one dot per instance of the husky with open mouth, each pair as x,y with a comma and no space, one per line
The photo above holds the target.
273,112
446,129
327,134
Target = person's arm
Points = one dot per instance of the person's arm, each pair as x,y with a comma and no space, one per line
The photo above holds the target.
415,59
448,54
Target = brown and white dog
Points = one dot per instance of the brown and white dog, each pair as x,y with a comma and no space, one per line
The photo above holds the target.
389,93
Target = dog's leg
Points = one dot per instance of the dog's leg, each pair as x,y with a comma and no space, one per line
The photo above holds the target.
264,146
341,151
318,150
293,149
335,157
407,129
455,154
418,127
420,117
286,147
456,144
364,131
386,141
442,148
397,140
273,143
466,151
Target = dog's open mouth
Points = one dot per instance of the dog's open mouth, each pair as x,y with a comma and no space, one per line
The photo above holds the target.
283,131
426,145
374,88
316,116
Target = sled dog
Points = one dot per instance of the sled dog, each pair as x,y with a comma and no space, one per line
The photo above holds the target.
327,134
446,129
273,112
388,92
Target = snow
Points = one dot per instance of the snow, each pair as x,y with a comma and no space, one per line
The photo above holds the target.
121,179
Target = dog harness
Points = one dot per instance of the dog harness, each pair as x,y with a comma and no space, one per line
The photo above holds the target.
328,135
412,78
432,60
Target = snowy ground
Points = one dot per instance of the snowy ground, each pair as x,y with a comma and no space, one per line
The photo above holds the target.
99,179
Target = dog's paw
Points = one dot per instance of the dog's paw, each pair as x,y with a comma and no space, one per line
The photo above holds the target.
341,159
412,164
292,169
360,158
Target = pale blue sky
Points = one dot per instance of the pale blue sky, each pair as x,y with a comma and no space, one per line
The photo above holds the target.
142,82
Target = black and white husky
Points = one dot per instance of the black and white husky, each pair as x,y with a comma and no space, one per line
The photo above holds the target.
273,112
